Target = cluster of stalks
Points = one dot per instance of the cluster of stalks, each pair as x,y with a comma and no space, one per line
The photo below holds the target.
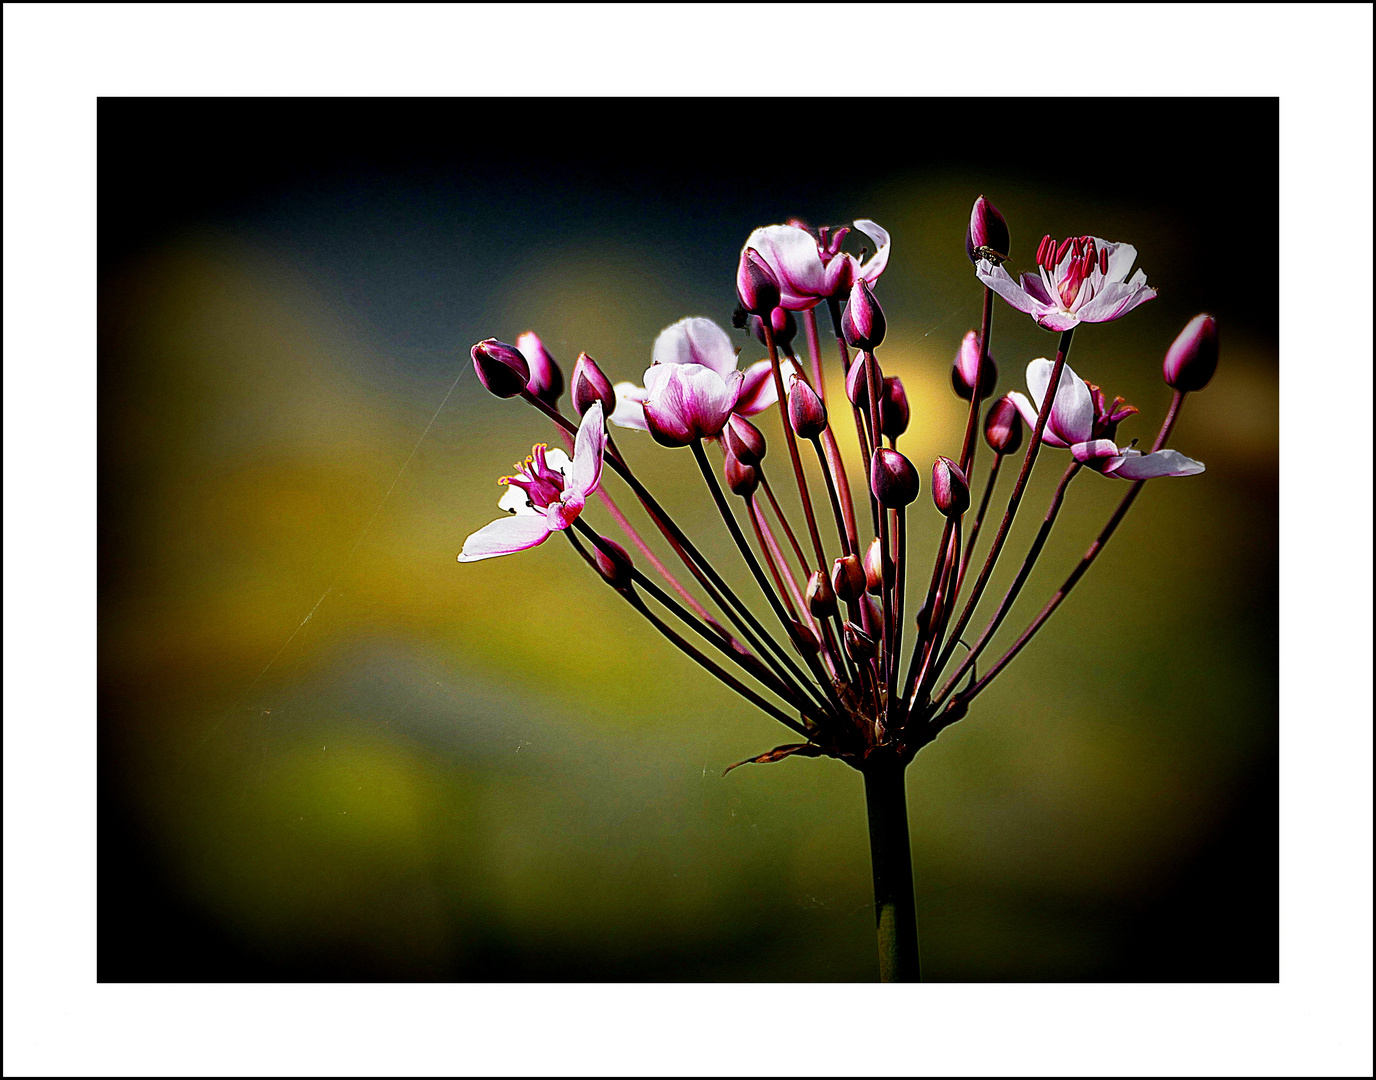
861,664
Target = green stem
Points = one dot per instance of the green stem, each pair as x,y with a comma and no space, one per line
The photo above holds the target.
895,909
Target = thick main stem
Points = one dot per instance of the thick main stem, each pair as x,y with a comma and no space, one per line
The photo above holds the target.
891,860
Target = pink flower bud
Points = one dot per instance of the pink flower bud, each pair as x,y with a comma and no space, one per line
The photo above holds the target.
590,385
874,567
858,383
950,489
1193,356
966,365
500,367
863,322
987,237
781,321
546,380
1003,426
744,440
848,577
742,479
821,598
859,645
615,567
806,412
893,408
893,479
756,286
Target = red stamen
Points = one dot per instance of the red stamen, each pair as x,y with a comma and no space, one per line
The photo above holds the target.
1103,261
1060,252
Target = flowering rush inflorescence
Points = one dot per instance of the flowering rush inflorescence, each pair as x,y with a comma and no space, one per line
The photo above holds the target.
851,662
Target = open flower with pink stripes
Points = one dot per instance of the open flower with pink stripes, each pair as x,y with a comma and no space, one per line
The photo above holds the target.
1081,279
701,342
812,267
1083,421
546,494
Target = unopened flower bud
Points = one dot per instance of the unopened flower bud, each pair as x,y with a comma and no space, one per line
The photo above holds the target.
893,479
756,286
923,618
546,380
863,321
744,440
950,489
858,382
1003,426
804,636
859,645
987,236
742,479
806,413
821,598
893,408
782,322
590,385
848,577
1193,356
965,366
613,564
500,367
874,567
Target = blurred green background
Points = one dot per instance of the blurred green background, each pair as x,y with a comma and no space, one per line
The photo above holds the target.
328,751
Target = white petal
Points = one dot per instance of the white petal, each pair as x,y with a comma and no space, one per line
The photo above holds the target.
587,452
1137,466
514,500
630,406
1120,259
1072,411
880,259
504,536
695,341
559,461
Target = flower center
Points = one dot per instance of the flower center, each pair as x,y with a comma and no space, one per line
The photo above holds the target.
1069,263
542,484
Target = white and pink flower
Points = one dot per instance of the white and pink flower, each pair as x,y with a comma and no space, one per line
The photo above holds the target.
1081,279
1081,421
545,496
812,268
698,342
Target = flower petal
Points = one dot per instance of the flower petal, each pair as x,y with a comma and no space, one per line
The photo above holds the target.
505,536
514,500
876,263
695,341
1035,287
1029,415
1057,321
996,277
1120,259
792,254
630,406
1072,411
1138,466
587,453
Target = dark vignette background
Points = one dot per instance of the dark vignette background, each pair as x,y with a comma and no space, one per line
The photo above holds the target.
417,224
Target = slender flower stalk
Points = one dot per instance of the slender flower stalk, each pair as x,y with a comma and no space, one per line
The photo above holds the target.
833,676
